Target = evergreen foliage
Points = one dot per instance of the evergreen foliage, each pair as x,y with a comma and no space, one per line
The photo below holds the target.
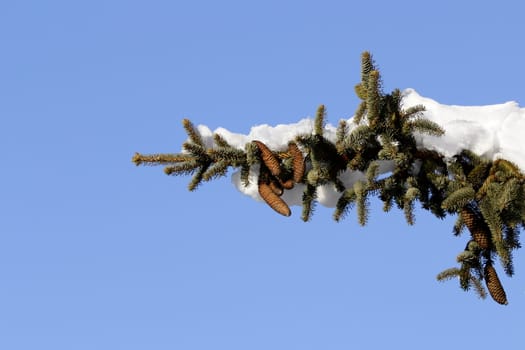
488,197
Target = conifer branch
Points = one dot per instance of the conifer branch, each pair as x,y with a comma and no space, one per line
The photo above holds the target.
410,196
414,111
362,202
360,112
371,173
478,287
319,121
198,177
478,174
220,141
215,170
424,126
373,96
341,132
343,204
309,197
193,134
459,198
367,66
198,151
186,168
245,174
160,159
488,196
448,274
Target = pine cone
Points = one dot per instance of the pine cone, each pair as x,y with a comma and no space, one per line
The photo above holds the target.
298,162
494,285
477,227
273,200
269,159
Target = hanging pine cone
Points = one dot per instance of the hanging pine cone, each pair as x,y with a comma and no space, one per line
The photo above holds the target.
298,162
269,159
494,285
477,227
273,200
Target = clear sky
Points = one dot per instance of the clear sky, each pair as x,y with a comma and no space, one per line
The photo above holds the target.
96,253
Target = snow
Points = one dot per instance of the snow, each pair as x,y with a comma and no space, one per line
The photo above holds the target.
492,131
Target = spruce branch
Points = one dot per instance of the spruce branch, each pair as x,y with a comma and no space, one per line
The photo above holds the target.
371,173
309,197
478,287
360,112
344,203
478,174
373,99
414,111
424,126
466,279
448,274
459,198
216,170
160,159
508,167
411,195
367,66
198,176
341,133
220,141
245,174
193,134
459,226
488,196
186,168
198,151
319,120
494,223
362,202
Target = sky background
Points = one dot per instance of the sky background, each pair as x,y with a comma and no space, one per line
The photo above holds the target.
96,253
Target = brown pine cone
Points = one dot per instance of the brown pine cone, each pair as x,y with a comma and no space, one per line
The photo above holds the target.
477,227
269,158
298,162
273,200
494,285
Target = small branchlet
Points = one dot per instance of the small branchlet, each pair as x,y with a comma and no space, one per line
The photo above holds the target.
309,197
344,203
194,135
423,126
319,120
160,159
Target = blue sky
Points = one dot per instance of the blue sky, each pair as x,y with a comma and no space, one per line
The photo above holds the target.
96,253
